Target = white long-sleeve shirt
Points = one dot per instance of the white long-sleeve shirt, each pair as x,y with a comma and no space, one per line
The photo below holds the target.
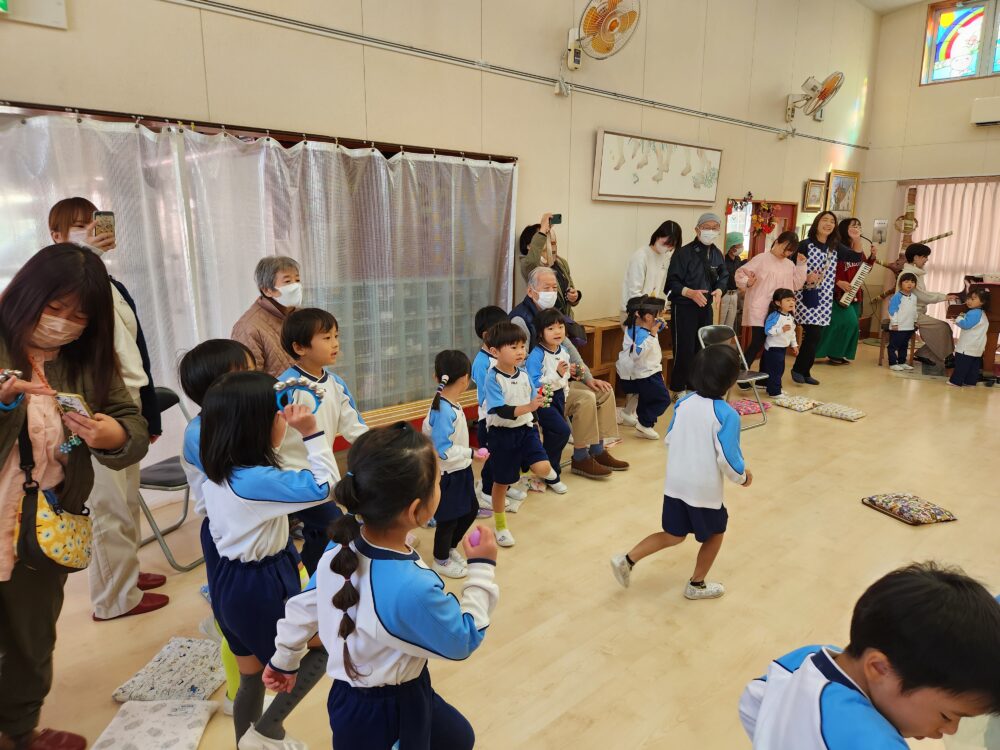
777,337
403,618
924,297
973,326
704,441
646,273
543,368
248,514
449,431
641,357
903,311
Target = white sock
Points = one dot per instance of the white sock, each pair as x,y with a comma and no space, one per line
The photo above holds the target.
551,475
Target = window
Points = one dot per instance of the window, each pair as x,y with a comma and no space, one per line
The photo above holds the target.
962,41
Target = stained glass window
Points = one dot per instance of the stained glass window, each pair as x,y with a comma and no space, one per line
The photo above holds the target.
955,46
996,53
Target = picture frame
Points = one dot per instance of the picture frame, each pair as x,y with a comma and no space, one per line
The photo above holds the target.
631,168
813,195
804,232
842,191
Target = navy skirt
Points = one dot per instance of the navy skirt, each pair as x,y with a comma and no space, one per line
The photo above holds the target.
681,519
458,495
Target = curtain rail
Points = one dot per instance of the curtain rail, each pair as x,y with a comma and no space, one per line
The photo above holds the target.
285,137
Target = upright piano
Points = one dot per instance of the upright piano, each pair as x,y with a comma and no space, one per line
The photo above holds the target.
973,283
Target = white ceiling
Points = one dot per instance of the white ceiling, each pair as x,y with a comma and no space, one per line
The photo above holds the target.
887,6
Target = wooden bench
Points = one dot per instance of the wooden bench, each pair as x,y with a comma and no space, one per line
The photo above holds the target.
413,412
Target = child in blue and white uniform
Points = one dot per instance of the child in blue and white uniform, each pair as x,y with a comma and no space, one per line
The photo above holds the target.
902,321
312,338
380,612
511,401
486,318
890,682
248,498
704,442
640,364
448,429
973,326
779,327
548,364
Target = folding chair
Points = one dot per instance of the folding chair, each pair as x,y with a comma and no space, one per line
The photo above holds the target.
167,476
716,335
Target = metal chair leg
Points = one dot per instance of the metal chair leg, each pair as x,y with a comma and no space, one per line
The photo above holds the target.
763,413
177,524
158,536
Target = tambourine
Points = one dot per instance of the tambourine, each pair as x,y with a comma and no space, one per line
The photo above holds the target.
284,390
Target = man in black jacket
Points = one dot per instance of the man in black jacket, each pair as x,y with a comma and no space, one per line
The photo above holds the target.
696,279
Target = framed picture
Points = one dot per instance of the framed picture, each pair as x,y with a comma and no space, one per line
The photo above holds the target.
635,169
842,191
813,194
804,231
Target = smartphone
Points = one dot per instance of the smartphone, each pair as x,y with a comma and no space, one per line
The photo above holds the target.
555,219
73,402
104,222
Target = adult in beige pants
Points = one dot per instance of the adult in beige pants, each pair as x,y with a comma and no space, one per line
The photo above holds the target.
117,587
939,341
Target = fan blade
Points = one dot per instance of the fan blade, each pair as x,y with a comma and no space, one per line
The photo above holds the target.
592,21
612,4
627,20
600,45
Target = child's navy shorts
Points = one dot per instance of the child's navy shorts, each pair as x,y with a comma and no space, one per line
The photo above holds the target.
681,519
511,448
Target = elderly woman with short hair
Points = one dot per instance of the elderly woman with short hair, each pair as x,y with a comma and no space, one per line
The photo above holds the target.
259,329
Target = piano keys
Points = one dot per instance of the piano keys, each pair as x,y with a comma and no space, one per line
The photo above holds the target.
973,283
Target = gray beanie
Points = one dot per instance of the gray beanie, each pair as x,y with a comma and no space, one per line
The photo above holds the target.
709,216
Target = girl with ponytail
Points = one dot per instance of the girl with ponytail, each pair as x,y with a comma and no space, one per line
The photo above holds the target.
380,612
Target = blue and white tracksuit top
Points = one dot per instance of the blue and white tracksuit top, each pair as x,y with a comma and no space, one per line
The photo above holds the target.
503,390
191,463
903,311
973,326
806,702
248,515
404,616
337,415
449,431
543,368
640,357
704,441
777,337
481,364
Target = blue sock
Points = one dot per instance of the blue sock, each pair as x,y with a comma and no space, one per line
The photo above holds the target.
579,454
597,448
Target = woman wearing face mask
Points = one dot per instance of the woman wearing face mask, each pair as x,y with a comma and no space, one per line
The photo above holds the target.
696,279
539,247
814,303
839,342
646,272
259,329
117,587
57,328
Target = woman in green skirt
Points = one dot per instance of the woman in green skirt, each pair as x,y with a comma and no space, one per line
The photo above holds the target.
839,343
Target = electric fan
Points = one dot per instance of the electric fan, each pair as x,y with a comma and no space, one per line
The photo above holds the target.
605,27
817,96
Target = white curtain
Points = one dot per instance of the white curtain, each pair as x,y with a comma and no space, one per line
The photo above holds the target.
402,250
971,210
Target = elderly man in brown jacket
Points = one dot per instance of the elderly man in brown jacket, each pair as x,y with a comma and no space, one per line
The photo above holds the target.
259,329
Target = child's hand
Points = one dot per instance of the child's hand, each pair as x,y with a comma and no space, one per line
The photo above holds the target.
537,402
300,417
486,549
795,350
749,480
786,328
480,455
277,681
574,371
562,368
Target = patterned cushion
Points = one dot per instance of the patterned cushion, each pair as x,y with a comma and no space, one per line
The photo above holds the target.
177,725
745,406
185,669
908,508
839,411
796,403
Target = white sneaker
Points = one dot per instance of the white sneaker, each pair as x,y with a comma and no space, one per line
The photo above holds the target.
254,740
897,368
486,502
711,591
516,493
505,538
621,570
623,417
647,432
559,488
227,703
906,366
456,556
449,569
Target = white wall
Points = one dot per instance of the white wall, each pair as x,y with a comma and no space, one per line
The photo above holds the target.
733,57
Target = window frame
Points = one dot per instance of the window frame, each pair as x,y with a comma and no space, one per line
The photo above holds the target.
987,42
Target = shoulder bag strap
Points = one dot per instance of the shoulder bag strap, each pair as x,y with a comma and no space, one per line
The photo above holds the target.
27,458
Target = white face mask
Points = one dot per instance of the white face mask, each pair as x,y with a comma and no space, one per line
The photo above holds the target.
547,300
291,294
708,236
80,237
53,332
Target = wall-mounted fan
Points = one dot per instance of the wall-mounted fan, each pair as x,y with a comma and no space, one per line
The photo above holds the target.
817,96
605,27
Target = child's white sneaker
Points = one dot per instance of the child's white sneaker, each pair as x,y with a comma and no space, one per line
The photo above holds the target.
897,368
505,538
449,569
516,493
647,432
456,556
254,740
710,590
906,366
621,570
513,506
623,417
486,502
559,488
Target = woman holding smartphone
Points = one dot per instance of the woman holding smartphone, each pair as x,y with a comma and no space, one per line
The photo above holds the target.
57,329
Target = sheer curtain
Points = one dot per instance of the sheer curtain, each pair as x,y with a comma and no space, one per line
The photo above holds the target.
971,209
402,250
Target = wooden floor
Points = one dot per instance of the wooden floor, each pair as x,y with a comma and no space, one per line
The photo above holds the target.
571,659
